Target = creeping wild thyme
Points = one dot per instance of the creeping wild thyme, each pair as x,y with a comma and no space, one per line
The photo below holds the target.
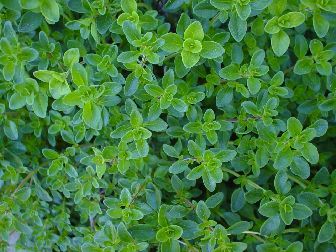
168,125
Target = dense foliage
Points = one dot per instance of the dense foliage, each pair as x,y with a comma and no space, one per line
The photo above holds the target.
168,125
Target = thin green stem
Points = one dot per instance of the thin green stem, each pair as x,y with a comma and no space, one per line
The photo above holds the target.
214,19
250,182
23,182
300,183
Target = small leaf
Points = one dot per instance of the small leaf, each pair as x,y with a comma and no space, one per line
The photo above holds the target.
237,200
291,19
50,10
189,59
91,115
321,24
280,43
173,42
79,74
131,32
202,211
237,27
310,153
178,167
327,231
301,211
211,50
239,227
194,31
300,167
294,126
283,159
303,66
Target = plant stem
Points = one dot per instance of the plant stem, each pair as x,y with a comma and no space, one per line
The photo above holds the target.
250,182
300,183
214,19
23,182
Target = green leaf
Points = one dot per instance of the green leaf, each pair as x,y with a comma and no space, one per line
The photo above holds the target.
179,105
204,9
243,11
214,200
237,27
280,43
301,211
192,45
23,194
194,31
324,68
100,170
301,46
40,104
79,74
156,125
237,200
327,231
269,209
128,5
91,115
193,127
142,147
270,226
250,107
189,59
71,56
310,153
300,167
136,118
294,126
230,72
239,227
172,42
328,104
171,232
258,58
30,21
58,89
11,130
321,25
131,32
50,10
320,127
29,4
128,57
202,211
286,214
295,247
281,183
195,173
303,66
272,26
211,177
211,50
291,19
253,85
178,167
50,154
131,85
9,70
262,157
17,101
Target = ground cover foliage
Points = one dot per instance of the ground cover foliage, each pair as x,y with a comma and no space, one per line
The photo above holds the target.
179,125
